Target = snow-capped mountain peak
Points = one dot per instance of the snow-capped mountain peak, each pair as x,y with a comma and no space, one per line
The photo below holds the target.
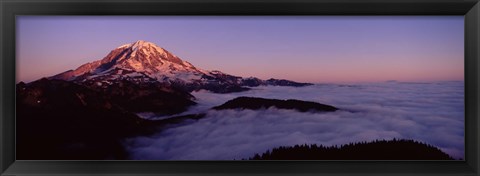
142,57
142,54
146,62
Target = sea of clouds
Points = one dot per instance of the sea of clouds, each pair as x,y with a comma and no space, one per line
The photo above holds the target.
428,112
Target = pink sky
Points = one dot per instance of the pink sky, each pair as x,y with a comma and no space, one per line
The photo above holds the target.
308,49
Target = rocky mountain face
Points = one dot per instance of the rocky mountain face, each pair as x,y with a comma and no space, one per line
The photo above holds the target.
144,62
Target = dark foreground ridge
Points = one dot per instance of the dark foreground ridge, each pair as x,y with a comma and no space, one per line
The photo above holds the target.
255,103
63,120
376,150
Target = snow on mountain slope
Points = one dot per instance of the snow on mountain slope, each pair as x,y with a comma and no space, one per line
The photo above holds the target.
142,57
143,62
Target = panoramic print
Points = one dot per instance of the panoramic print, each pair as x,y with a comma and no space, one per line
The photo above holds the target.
240,88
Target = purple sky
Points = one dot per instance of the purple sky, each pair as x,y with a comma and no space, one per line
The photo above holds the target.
311,49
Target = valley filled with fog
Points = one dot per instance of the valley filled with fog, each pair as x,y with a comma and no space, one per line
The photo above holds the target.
432,113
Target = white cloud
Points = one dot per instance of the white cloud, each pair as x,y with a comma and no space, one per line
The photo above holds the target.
431,113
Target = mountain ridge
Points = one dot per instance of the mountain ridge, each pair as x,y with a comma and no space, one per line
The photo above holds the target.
143,62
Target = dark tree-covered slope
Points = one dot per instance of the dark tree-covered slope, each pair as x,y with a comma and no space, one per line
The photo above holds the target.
255,103
376,150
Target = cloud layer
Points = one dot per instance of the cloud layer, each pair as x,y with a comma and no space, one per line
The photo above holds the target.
427,112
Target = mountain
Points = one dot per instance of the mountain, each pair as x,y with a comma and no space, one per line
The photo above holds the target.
145,62
139,59
87,113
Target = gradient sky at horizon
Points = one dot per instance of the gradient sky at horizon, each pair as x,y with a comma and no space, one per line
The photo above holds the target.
301,48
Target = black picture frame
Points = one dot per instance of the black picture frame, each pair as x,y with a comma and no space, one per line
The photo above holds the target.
9,9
